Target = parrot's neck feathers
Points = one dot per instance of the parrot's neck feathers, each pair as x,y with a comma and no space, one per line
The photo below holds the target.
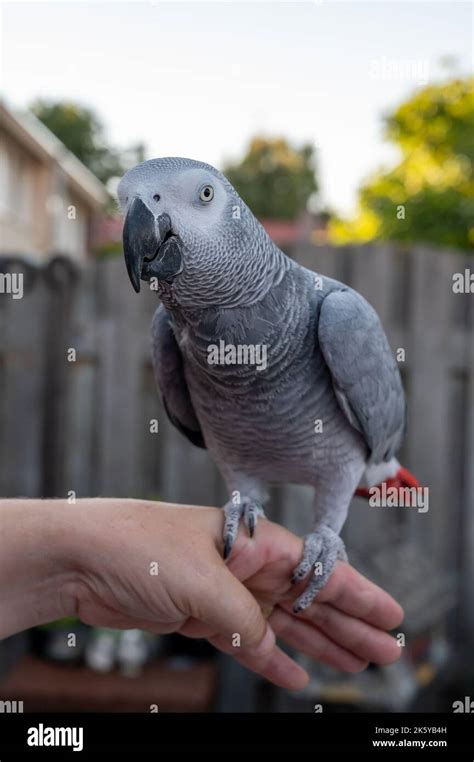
231,274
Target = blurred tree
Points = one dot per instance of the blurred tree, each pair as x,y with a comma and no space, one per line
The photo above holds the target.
429,195
275,179
82,132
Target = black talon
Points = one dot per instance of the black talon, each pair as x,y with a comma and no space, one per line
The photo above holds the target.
251,525
227,549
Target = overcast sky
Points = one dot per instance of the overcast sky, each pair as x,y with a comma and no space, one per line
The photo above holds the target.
198,79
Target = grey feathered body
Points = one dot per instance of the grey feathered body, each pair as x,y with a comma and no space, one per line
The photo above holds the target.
328,402
262,423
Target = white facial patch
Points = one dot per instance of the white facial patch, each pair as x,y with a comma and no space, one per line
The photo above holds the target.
178,193
186,208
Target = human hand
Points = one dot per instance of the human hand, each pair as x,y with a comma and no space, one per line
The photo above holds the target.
345,627
96,559
117,544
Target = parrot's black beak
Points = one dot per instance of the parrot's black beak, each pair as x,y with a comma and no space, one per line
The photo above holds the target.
150,247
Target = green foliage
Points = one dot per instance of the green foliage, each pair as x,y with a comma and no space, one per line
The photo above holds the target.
438,118
82,132
429,195
274,178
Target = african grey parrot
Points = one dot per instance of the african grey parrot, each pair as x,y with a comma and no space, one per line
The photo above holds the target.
326,406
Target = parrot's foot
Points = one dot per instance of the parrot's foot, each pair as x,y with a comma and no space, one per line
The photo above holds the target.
246,509
322,548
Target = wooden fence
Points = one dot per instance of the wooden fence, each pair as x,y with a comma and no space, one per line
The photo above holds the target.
78,396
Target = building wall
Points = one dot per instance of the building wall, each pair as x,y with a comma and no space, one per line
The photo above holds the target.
40,212
21,177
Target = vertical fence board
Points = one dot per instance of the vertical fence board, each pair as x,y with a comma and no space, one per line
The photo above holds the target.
430,393
119,379
81,460
23,378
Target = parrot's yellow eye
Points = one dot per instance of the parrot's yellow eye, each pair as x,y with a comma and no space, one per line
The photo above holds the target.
206,193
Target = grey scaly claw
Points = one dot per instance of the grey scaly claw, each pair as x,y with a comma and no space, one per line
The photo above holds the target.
322,549
246,509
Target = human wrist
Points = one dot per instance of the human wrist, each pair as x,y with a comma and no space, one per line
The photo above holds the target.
36,568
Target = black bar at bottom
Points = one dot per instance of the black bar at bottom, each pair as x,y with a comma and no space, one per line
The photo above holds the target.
54,736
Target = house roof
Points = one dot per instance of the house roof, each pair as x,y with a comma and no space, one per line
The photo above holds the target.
287,232
43,144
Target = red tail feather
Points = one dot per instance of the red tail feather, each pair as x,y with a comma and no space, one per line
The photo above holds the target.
403,478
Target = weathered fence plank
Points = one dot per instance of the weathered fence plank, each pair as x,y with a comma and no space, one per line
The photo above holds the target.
23,331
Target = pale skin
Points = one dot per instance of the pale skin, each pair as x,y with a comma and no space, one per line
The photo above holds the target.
96,559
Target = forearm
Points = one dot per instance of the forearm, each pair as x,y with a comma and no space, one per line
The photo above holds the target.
55,555
37,553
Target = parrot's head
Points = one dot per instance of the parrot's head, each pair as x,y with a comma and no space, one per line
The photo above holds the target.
186,226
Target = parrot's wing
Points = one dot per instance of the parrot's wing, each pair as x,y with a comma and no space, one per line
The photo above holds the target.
365,375
169,375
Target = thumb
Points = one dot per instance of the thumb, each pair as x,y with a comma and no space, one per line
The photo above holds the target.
232,612
244,633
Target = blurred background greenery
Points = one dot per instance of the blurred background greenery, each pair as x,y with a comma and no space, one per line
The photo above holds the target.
427,197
